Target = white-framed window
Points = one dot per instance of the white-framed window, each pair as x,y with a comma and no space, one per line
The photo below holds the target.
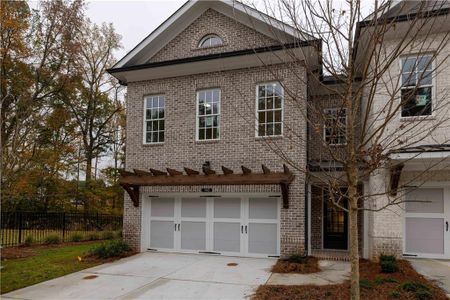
208,114
269,109
417,85
210,40
154,123
335,126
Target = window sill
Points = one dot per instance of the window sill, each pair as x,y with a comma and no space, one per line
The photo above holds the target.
152,144
207,141
418,118
273,137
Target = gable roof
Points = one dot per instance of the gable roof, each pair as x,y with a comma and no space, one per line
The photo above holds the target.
190,11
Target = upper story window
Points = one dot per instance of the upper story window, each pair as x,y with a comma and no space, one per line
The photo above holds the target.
208,114
334,131
417,85
154,119
210,40
269,109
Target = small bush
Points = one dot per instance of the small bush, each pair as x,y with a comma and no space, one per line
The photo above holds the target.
296,258
92,236
76,237
52,239
365,284
108,235
413,286
423,295
384,257
29,240
389,266
380,280
395,294
119,234
108,249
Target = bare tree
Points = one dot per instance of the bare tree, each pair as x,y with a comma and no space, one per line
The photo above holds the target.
365,77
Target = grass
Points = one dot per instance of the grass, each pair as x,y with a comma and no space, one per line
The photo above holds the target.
8,236
47,263
406,284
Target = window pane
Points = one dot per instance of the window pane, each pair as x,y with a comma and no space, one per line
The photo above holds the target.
424,63
409,79
270,129
261,130
201,134
149,126
148,114
408,64
426,78
215,95
270,91
216,121
161,136
277,102
278,129
270,116
208,133
270,103
278,116
154,114
261,103
154,137
262,117
148,103
161,113
278,91
261,91
215,109
161,101
148,137
208,108
416,102
161,125
215,133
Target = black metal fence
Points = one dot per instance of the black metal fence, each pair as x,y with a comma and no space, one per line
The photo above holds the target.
18,227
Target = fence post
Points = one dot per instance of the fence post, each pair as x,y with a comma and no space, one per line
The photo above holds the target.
20,228
64,225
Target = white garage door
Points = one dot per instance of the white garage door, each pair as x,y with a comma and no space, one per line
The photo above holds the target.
426,222
226,224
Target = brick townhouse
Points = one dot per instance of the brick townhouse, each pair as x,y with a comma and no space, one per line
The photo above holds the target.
213,123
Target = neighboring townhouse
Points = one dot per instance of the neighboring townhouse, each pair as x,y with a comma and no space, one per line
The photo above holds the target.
212,124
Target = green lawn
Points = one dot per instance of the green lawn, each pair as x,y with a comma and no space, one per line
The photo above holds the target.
48,263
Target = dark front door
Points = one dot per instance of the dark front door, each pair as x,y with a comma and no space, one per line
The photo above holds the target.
335,223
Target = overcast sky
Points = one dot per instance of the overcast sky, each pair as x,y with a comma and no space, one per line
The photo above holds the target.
133,20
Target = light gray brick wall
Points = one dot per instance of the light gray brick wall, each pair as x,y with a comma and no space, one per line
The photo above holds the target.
237,145
235,35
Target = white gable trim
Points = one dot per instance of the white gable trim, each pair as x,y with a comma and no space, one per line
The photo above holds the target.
190,11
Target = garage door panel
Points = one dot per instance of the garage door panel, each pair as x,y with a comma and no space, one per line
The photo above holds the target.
193,235
227,237
262,238
162,207
425,200
162,234
263,208
193,208
424,235
227,208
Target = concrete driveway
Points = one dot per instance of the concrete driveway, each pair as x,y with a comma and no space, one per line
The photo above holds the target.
158,276
435,270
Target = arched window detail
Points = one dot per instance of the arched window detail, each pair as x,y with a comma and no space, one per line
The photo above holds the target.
210,40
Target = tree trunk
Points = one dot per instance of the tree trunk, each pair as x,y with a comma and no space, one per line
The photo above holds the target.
354,254
88,179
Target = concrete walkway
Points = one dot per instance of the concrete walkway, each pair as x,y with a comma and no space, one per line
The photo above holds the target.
333,272
435,270
158,276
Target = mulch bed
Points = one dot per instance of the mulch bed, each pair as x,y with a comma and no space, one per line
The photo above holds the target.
93,258
28,251
310,265
375,286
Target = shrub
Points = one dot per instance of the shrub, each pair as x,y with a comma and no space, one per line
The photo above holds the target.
395,294
365,284
29,240
380,280
76,237
384,257
413,286
108,235
297,258
92,236
112,248
119,234
52,239
423,295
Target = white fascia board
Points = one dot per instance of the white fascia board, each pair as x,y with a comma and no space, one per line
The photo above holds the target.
420,155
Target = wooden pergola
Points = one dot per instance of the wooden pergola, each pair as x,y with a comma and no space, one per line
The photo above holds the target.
132,181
